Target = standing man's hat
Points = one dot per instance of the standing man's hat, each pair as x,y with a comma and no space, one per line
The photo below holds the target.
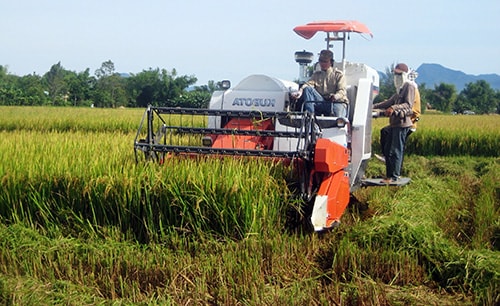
400,68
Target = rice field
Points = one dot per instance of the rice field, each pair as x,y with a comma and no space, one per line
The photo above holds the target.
451,135
82,223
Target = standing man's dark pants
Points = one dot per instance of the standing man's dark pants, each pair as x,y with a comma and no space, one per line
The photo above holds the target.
383,136
393,140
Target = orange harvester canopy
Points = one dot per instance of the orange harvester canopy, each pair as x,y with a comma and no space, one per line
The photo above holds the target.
307,31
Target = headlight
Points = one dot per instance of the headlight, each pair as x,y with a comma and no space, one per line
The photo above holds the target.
225,84
341,122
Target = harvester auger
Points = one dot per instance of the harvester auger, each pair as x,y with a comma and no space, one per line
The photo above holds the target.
258,118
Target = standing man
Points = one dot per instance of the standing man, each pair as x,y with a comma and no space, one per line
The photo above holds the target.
399,110
325,92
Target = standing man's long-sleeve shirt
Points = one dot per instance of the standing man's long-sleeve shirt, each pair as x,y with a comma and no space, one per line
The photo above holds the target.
402,104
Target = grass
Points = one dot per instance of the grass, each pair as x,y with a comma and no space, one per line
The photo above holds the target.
81,223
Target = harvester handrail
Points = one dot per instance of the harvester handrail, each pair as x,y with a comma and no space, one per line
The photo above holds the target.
228,113
217,131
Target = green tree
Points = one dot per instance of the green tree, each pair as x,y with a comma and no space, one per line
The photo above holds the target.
497,97
107,69
173,86
478,97
10,95
109,90
386,86
194,99
210,87
160,88
3,73
424,96
144,88
442,97
79,87
8,90
32,89
106,89
26,90
56,87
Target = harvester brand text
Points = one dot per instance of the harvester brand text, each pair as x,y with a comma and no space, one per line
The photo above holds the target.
263,102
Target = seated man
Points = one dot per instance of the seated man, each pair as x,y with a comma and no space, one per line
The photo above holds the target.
325,92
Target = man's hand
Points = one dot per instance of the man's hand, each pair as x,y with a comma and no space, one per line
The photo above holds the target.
296,95
377,112
389,111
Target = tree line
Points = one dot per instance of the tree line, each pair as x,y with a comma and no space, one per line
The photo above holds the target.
106,88
477,97
160,87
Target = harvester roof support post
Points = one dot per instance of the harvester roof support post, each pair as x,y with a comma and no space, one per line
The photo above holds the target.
343,52
336,37
343,47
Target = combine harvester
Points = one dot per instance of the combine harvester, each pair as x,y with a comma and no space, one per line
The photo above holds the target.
258,118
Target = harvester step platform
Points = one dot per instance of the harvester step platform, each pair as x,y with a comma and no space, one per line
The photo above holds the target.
379,182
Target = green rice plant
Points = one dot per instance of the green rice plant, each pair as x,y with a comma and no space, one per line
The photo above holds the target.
436,225
82,223
469,204
90,176
281,268
446,135
69,119
44,119
487,221
233,197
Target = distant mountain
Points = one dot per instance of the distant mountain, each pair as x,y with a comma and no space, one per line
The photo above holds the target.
434,74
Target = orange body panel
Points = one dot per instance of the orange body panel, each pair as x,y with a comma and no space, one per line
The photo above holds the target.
242,141
336,188
330,156
333,158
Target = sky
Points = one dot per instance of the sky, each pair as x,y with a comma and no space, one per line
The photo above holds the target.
231,39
